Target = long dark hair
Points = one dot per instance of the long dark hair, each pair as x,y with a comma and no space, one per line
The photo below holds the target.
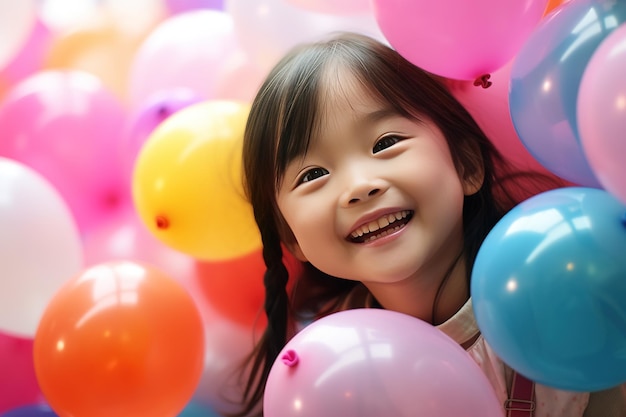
284,116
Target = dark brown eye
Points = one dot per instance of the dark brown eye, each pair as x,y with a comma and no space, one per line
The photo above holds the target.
385,142
313,174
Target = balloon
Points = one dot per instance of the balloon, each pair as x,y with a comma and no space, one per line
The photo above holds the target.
119,339
18,383
240,77
30,58
545,80
36,410
601,113
182,6
267,29
40,246
194,409
227,344
235,287
345,7
490,109
548,289
458,39
124,237
67,126
137,18
16,22
147,117
102,49
553,5
188,49
62,17
373,362
187,185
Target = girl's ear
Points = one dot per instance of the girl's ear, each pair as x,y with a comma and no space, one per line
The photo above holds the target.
473,183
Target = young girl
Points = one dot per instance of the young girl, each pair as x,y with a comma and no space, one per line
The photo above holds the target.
369,171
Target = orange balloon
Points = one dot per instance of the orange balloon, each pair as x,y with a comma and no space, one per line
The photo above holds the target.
102,49
553,4
120,339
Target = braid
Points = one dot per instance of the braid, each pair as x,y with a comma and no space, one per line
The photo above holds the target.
276,307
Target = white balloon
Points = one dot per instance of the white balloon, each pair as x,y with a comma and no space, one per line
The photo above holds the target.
40,246
17,19
268,29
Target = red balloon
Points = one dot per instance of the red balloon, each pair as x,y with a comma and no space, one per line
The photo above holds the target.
234,287
120,339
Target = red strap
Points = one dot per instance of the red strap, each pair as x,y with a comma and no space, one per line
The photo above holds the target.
522,401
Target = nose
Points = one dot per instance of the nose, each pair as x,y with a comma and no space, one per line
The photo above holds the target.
362,189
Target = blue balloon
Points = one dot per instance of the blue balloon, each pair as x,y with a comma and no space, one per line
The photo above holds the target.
196,409
32,410
549,289
545,79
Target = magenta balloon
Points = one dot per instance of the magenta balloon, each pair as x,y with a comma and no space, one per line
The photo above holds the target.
67,126
376,363
18,382
601,113
458,38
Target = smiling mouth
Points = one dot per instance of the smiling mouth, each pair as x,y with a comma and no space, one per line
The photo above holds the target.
381,227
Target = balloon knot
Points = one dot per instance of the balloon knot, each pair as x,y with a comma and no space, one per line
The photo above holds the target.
290,358
163,112
483,81
162,222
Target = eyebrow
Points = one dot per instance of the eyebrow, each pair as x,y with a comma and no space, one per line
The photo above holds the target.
378,115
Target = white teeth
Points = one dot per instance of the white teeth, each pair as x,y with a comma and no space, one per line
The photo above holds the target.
383,221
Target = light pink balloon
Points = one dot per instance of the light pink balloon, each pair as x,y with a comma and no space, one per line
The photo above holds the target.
458,38
184,51
124,237
67,126
267,29
601,113
343,7
227,344
376,363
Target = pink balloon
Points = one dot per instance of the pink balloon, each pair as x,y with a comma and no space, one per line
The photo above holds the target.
18,382
227,343
601,113
30,58
188,50
457,38
490,108
124,237
67,126
376,363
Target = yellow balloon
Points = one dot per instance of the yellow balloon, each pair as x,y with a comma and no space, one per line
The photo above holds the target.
187,183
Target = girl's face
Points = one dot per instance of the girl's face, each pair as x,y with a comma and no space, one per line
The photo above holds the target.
377,197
